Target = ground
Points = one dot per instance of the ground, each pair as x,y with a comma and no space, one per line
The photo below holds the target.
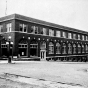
74,73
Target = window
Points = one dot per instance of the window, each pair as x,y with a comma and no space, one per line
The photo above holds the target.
9,27
86,38
64,34
74,48
86,48
58,48
74,36
79,48
51,32
58,34
43,31
83,49
34,29
78,37
64,48
69,48
43,45
69,35
23,27
1,28
82,37
51,48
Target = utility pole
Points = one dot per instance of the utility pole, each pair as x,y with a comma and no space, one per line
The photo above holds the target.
6,8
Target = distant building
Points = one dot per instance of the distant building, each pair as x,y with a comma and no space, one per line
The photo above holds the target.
32,38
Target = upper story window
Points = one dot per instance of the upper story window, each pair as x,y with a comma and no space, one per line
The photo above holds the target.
82,37
74,36
23,27
43,31
9,27
69,35
1,28
51,32
86,38
34,29
58,33
79,37
64,34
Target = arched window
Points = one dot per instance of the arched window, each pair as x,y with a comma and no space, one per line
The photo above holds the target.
4,47
74,48
33,48
58,48
23,46
51,48
69,49
86,48
83,49
64,48
79,48
43,45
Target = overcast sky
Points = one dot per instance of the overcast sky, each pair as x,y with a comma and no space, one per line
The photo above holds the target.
71,13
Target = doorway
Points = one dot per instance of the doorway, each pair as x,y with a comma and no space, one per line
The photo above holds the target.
43,54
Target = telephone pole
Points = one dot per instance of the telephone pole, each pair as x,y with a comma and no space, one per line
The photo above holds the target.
6,8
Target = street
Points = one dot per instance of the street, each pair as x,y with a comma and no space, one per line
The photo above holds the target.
74,73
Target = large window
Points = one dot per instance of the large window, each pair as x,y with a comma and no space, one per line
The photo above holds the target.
33,48
51,32
82,37
64,34
64,48
79,48
69,49
79,37
34,29
74,48
58,33
86,48
74,36
83,49
86,38
1,28
22,46
51,48
43,31
58,48
69,35
23,28
9,27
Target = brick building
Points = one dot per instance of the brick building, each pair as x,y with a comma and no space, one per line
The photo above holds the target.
33,38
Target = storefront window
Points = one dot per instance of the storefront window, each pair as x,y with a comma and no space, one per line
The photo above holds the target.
64,48
58,48
74,48
69,49
51,48
79,48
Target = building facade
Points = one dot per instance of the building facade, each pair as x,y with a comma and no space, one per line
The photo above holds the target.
33,38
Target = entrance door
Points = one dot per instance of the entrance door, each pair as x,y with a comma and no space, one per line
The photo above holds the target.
43,54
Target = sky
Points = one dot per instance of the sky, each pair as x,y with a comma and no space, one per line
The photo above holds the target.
70,13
